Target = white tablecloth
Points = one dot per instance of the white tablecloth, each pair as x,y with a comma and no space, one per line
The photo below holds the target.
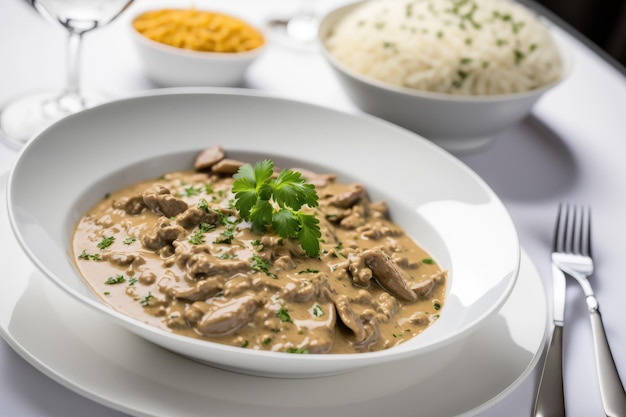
572,148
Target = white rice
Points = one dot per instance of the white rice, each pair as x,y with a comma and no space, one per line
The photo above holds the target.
470,47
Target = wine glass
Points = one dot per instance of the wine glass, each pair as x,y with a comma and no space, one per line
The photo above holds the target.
299,30
24,117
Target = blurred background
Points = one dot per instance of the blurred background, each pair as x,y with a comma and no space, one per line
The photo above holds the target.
603,22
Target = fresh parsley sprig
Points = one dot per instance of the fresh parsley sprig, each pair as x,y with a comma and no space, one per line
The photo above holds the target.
265,201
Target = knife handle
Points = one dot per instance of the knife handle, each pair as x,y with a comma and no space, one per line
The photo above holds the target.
550,400
611,388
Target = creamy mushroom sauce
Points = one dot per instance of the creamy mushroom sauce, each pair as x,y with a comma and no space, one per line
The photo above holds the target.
155,252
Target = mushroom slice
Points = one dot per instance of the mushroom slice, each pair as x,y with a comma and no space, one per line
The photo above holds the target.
224,317
226,166
209,157
349,318
423,288
388,275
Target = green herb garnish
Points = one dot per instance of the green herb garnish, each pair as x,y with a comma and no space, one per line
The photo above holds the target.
190,191
145,301
90,257
259,265
308,271
197,237
283,315
301,351
118,279
317,311
226,236
203,205
265,201
106,242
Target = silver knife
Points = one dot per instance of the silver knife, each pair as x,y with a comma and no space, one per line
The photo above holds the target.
550,400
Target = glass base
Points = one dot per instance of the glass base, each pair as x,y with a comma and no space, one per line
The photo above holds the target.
298,32
25,117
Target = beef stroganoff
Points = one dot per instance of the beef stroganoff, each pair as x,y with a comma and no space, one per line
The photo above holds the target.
326,272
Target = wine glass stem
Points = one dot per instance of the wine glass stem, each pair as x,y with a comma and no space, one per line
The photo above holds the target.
73,63
71,99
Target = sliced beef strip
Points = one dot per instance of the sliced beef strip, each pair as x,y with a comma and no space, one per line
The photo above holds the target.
161,201
203,264
131,205
349,198
163,234
194,215
201,291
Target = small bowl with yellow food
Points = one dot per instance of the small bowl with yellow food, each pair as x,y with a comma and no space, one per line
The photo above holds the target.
191,47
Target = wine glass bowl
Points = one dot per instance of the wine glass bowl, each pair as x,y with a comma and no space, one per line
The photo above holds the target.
24,117
81,15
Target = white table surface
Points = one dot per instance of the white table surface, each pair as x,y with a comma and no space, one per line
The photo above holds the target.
572,148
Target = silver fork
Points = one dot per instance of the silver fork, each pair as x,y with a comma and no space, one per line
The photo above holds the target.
573,257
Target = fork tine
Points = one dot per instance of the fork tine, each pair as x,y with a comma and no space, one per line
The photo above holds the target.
573,229
570,228
585,241
560,229
576,230
581,230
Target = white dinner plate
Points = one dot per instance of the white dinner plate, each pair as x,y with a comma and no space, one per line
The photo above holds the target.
90,355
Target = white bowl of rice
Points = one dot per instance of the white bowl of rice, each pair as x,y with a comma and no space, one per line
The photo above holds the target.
457,72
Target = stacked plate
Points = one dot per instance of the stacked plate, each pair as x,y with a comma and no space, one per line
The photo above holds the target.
446,207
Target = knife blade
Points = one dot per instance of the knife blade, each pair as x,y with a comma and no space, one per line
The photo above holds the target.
550,399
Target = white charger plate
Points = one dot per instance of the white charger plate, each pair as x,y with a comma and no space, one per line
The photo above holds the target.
90,355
